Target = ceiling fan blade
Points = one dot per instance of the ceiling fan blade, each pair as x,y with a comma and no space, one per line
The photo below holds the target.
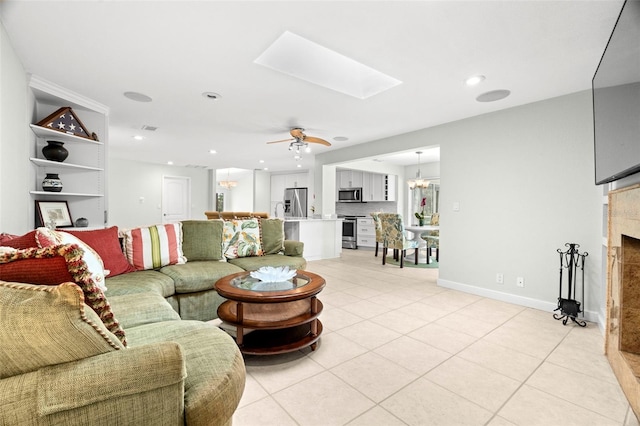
282,140
316,140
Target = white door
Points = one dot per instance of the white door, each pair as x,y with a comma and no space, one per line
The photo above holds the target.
176,198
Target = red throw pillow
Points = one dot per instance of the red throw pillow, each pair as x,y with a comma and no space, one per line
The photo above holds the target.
106,243
22,242
42,271
77,271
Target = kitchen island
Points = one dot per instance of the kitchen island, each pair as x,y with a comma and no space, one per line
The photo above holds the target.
322,238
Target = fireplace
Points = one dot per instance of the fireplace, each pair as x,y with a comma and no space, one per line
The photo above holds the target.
622,340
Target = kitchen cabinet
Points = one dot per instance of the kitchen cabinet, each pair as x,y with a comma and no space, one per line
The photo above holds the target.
366,232
379,187
281,182
83,172
296,180
349,178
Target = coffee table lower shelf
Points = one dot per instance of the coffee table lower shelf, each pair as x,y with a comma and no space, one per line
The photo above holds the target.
279,341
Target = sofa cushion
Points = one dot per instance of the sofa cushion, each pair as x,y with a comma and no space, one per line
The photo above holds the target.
25,241
215,367
241,238
257,262
198,276
140,282
154,246
77,269
142,308
202,239
106,243
68,330
47,237
272,234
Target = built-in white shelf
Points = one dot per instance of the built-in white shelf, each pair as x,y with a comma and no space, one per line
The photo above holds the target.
58,165
66,194
46,133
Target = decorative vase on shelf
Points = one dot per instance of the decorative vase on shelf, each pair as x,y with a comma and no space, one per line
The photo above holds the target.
55,151
82,222
420,222
52,183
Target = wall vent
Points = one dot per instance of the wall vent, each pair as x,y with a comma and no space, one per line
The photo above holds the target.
149,128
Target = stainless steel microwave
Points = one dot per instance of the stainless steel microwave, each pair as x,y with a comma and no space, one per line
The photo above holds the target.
350,195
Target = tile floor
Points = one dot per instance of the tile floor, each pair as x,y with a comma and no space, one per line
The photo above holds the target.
399,350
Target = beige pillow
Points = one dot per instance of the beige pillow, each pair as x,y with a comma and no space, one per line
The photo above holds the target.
46,325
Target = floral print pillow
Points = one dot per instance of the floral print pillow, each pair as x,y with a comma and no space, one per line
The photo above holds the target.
241,238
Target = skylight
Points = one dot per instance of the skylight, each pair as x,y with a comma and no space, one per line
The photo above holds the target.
301,58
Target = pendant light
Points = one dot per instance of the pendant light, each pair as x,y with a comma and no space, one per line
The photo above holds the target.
228,183
418,182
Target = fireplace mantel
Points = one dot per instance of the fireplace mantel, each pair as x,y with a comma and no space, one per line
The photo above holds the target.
622,340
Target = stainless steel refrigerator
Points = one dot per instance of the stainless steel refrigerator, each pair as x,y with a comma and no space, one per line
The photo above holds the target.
295,202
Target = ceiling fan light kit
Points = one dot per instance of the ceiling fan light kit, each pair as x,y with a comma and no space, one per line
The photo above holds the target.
300,140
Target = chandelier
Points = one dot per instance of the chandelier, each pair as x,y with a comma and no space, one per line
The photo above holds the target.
228,183
418,182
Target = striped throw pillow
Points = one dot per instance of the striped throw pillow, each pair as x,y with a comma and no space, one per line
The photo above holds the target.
155,246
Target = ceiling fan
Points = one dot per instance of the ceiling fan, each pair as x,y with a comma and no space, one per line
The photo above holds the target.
299,139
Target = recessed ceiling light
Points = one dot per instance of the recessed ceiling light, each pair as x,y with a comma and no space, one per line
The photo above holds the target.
212,151
340,138
212,95
494,95
474,79
138,137
301,58
170,163
299,165
266,168
138,97
261,161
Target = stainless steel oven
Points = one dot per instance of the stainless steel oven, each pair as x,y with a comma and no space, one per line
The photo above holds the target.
349,230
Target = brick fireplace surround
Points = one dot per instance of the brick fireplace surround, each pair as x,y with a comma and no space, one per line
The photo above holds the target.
622,340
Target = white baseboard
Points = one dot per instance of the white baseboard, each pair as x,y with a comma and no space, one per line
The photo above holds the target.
543,305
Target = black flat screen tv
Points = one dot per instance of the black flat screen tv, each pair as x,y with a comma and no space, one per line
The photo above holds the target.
616,100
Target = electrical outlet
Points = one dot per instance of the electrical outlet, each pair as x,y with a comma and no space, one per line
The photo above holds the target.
500,278
520,281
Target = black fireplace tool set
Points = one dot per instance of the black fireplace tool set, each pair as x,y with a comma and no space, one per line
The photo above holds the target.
572,261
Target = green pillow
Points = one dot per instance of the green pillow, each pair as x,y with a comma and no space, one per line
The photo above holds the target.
202,239
272,233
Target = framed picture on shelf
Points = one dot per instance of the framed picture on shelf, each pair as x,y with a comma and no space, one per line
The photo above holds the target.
49,213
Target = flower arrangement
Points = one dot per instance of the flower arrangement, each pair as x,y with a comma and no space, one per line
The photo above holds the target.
420,215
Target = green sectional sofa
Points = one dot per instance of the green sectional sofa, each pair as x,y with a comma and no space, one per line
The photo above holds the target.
188,287
141,352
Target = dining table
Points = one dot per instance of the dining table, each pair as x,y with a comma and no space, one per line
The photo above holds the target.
416,231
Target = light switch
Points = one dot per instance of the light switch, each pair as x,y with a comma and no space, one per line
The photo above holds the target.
456,206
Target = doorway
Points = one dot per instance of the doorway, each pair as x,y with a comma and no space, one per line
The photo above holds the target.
176,198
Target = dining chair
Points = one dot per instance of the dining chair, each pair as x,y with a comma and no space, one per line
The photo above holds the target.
394,236
378,228
433,238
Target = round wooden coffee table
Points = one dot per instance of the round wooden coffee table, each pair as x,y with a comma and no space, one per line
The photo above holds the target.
272,317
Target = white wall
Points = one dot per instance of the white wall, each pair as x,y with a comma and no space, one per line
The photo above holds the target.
16,205
262,192
523,178
130,180
524,181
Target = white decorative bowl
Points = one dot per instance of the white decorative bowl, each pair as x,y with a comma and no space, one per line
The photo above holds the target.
270,274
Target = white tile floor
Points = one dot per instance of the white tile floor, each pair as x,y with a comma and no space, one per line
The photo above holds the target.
399,350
